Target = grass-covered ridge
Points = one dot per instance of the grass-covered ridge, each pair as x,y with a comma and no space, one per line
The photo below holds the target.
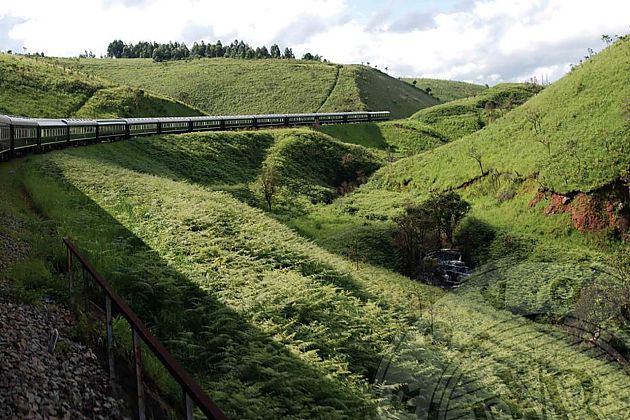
583,117
446,90
465,116
38,87
227,86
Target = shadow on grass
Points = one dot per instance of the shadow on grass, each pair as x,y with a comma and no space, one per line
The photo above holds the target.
228,163
365,134
148,160
246,372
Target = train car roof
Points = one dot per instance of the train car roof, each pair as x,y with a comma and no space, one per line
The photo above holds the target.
174,119
205,117
6,119
51,123
141,120
79,122
111,122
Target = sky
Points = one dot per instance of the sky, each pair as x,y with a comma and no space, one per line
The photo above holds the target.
483,41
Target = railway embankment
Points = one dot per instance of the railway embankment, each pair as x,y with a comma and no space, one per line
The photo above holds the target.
43,375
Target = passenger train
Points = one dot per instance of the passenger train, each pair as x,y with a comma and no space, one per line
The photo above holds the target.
19,135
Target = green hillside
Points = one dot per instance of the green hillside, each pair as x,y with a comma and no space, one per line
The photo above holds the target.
465,116
446,90
541,216
393,139
583,118
40,88
228,86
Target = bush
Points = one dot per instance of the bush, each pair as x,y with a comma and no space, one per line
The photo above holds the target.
473,238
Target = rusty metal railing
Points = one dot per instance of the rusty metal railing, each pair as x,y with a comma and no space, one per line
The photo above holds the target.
191,392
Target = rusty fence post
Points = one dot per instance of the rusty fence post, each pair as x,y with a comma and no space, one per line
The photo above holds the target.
110,338
70,279
138,359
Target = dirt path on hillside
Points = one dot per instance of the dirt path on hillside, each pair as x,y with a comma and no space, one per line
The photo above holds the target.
330,92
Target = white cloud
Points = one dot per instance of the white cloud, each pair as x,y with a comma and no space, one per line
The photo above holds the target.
487,41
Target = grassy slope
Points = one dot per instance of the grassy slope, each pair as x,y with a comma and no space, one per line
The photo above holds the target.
446,90
400,138
128,102
587,107
380,91
465,116
41,88
271,324
226,86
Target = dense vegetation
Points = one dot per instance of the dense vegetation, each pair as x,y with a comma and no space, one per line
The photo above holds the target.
229,86
38,87
446,90
179,51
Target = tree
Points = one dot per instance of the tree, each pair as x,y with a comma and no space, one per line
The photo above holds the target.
415,82
607,299
447,209
115,49
535,119
308,56
275,51
422,228
270,181
475,154
414,238
288,53
490,110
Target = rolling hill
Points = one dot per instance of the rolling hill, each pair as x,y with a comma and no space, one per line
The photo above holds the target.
458,118
446,90
582,117
228,86
37,87
550,205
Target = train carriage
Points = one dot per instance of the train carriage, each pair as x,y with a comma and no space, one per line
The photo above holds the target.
301,119
142,126
24,132
379,116
238,121
5,139
206,123
174,125
357,117
270,120
52,132
81,130
111,129
330,118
